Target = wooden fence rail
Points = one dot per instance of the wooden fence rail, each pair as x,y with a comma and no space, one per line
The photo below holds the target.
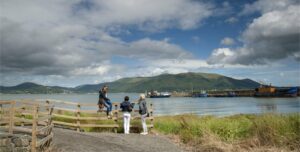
80,115
31,118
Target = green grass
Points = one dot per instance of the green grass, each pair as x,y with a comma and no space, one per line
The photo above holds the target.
268,129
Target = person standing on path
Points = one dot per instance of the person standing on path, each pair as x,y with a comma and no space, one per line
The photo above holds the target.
143,110
126,107
105,101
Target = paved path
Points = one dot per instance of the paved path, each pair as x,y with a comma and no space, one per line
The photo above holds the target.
71,141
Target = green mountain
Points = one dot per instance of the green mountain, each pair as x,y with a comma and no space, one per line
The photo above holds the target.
33,88
164,82
173,82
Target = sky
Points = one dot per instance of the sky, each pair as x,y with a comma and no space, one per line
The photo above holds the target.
74,42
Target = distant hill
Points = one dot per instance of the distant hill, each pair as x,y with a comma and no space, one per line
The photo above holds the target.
33,88
164,82
173,82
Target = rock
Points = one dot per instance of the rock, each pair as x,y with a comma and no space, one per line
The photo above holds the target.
7,148
21,141
22,149
5,141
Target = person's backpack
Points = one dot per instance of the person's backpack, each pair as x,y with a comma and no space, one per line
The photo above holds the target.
130,107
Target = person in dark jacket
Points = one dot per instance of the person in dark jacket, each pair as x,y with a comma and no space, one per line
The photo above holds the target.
143,110
104,101
126,107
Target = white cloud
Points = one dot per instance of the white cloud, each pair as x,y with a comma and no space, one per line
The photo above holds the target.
100,70
231,20
227,41
265,6
272,36
148,15
56,37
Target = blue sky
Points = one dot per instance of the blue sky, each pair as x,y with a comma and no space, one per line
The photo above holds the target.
70,43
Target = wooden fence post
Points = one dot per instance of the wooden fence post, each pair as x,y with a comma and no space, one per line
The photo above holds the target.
11,117
151,114
78,117
1,112
34,127
22,114
116,118
47,108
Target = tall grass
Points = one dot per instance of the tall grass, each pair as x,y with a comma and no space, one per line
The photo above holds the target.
271,130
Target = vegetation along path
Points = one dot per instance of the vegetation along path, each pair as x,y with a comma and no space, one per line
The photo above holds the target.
71,141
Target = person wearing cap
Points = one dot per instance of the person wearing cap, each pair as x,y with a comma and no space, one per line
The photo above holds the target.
126,107
143,110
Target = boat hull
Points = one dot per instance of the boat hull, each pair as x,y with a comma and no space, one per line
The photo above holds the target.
160,96
280,92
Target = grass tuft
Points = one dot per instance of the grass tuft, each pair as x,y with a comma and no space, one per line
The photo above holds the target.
268,130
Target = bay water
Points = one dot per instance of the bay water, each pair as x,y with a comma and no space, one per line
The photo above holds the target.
183,105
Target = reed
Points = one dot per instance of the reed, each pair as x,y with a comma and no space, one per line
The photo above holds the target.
238,131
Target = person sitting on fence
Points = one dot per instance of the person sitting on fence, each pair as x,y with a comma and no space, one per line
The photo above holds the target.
104,101
143,110
126,107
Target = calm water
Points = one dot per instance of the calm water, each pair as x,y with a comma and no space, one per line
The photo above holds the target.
173,106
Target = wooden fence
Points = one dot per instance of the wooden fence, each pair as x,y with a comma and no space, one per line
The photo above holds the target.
30,118
85,115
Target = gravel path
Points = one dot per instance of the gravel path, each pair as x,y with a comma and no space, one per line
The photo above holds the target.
71,141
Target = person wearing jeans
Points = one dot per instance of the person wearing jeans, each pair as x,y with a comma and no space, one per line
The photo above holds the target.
105,101
126,107
143,110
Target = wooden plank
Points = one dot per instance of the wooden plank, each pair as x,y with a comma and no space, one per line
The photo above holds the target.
29,112
44,140
94,118
81,118
99,125
6,108
62,102
89,104
5,135
44,118
45,128
17,119
4,122
65,109
64,123
139,117
19,129
28,121
5,102
64,116
29,102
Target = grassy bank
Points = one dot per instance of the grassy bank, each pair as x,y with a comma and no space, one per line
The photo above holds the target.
269,132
